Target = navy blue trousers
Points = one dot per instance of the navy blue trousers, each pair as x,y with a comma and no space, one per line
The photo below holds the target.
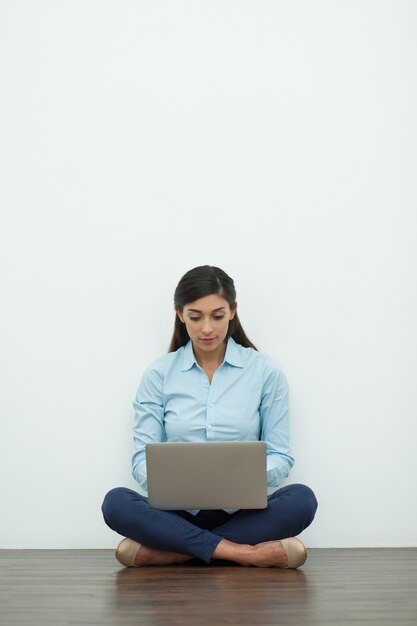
290,510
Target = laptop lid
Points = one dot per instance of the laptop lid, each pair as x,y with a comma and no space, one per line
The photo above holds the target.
207,475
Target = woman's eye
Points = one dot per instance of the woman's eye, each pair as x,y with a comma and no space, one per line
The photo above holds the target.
216,317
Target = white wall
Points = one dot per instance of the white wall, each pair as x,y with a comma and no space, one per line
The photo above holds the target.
274,139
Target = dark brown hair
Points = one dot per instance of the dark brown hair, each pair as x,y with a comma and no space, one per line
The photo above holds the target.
199,282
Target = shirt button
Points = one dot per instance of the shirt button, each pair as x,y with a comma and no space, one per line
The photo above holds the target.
209,427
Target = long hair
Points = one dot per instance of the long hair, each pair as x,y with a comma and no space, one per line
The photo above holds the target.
199,282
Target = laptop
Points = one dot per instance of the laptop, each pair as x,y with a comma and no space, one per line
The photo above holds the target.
207,475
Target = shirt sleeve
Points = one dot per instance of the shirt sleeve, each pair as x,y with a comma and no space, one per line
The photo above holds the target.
275,427
148,421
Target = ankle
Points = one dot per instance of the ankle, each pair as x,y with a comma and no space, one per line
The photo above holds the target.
236,552
152,556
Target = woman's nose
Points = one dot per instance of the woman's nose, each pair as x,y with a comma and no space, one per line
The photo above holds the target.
207,327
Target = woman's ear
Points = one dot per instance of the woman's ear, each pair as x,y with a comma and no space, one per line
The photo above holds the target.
180,315
233,310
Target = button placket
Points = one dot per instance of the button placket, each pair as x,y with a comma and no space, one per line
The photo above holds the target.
209,411
206,394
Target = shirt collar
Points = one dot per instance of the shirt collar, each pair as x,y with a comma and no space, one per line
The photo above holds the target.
232,355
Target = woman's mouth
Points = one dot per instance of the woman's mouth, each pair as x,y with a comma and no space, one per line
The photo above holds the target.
207,340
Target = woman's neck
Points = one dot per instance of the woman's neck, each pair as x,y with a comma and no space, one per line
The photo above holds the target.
210,360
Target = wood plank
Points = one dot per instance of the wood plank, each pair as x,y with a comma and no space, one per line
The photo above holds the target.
334,587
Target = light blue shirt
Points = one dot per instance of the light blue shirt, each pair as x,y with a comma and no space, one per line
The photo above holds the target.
247,400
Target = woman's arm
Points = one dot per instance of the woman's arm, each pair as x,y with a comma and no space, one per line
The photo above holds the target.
148,422
275,427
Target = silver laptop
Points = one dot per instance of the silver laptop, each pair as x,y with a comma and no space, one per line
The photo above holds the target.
207,475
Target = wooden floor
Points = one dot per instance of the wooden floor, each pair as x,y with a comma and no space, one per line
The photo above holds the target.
334,587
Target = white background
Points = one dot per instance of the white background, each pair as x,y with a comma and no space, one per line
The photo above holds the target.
274,139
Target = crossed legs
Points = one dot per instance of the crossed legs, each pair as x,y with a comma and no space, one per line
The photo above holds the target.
249,537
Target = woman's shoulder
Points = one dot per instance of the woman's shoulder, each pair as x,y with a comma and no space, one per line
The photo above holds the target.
261,358
269,361
154,374
269,367
265,364
164,362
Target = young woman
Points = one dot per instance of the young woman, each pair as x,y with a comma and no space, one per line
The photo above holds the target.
213,385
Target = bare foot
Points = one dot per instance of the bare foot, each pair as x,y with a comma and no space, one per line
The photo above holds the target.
151,556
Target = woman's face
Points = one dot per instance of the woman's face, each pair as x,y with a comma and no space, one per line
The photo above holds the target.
207,321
